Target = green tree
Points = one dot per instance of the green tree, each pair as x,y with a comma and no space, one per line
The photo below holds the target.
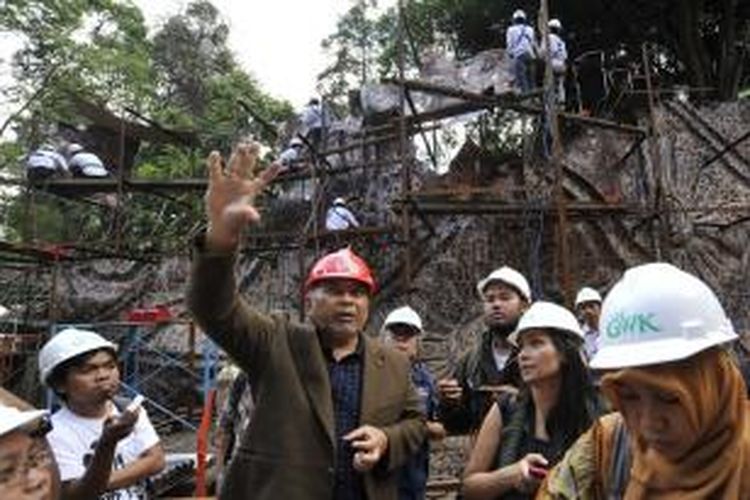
353,49
697,42
201,84
185,78
90,48
189,50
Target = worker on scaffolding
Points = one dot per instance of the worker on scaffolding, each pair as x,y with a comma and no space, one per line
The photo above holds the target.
339,217
103,447
402,330
83,163
520,46
335,412
313,123
45,163
27,466
558,53
292,155
588,307
490,367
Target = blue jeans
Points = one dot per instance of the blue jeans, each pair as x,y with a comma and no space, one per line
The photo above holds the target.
522,72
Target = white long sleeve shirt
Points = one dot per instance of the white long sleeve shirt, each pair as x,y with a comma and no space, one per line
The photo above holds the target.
47,160
558,51
519,40
339,217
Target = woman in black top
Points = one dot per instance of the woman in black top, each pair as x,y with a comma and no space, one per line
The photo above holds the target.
523,436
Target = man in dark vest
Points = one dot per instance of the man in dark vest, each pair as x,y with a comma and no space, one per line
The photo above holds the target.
490,366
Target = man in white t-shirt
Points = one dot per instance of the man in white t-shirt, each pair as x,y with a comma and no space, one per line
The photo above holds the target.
102,451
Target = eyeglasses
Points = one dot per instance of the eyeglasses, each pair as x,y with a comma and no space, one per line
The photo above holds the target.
14,470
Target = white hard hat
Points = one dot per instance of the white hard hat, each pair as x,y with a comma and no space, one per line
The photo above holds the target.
509,276
339,201
658,313
296,141
519,14
555,23
405,316
4,311
66,345
94,170
12,419
587,294
543,314
74,148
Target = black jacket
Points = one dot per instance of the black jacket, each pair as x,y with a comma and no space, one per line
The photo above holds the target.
476,368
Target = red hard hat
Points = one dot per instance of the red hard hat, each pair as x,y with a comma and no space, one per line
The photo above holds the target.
342,264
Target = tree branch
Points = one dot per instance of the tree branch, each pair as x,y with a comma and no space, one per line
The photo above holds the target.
42,88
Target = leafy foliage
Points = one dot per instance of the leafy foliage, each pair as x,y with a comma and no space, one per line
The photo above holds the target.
184,77
696,42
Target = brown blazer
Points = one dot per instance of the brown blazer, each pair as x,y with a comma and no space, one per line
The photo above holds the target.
288,451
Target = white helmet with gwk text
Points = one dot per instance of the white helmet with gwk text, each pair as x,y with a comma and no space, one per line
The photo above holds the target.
658,313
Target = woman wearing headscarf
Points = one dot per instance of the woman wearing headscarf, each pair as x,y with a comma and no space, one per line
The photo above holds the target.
520,439
682,427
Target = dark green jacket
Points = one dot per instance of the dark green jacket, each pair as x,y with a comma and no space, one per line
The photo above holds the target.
477,368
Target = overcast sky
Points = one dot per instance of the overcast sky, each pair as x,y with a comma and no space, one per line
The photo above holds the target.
278,41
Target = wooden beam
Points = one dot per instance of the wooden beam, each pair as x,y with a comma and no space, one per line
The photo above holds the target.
507,100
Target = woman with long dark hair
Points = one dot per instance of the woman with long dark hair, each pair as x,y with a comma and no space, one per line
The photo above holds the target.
522,437
681,426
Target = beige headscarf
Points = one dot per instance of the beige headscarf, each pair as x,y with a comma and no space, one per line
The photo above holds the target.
717,464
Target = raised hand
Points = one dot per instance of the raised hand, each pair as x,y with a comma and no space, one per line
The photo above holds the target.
231,194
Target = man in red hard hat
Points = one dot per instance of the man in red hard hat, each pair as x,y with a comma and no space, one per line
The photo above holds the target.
336,414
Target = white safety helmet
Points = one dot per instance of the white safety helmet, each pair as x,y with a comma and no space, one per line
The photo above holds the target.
510,277
543,314
296,141
519,14
658,313
66,345
74,148
12,419
404,316
587,294
555,24
339,201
